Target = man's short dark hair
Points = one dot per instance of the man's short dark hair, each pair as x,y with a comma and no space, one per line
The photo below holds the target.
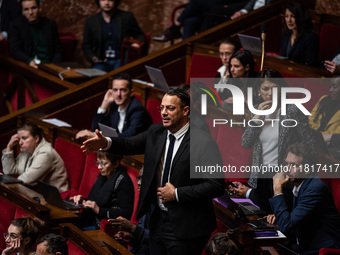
303,150
55,243
182,94
231,41
124,76
116,3
37,1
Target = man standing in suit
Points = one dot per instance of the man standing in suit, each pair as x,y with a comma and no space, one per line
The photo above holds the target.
34,39
184,216
120,110
314,221
9,10
104,33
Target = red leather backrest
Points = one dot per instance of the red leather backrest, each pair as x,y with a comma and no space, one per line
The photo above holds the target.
90,175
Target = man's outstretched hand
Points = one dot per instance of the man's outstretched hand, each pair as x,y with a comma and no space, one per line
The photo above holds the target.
95,143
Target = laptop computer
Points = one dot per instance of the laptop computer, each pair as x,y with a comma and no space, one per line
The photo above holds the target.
7,179
107,131
53,197
90,72
259,224
157,78
251,43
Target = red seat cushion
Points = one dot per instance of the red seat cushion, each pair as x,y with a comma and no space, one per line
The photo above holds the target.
7,215
229,141
74,250
151,106
133,174
203,67
90,175
328,41
74,160
329,251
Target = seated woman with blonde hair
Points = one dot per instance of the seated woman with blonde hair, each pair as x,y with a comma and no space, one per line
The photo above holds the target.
37,160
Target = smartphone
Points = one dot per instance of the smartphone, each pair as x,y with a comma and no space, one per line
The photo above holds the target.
229,182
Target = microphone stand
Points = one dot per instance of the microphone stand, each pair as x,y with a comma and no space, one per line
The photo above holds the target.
263,38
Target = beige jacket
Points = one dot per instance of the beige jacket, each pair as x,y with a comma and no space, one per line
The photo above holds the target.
45,165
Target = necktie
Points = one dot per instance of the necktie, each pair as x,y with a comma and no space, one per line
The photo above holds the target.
168,160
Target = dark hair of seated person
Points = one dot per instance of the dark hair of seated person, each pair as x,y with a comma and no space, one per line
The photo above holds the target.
246,58
302,18
224,243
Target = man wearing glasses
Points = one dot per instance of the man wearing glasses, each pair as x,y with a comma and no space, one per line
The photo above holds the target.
314,221
184,217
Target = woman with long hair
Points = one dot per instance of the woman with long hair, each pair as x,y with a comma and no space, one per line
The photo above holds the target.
270,139
298,41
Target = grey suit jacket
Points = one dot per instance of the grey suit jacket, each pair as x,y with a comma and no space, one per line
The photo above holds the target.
126,25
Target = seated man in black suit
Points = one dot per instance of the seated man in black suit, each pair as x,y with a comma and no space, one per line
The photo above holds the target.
9,10
104,33
126,113
184,218
314,221
34,39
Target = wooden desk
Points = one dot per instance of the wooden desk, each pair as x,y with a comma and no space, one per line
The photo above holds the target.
70,74
89,241
22,196
248,240
99,235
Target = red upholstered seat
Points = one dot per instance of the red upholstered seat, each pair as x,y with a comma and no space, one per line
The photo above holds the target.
203,67
151,106
74,250
317,88
328,41
229,141
329,251
68,42
133,174
74,160
90,175
7,215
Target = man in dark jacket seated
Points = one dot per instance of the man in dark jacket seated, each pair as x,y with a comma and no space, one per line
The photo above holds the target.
126,113
34,39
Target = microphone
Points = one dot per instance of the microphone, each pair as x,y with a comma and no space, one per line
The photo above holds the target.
263,38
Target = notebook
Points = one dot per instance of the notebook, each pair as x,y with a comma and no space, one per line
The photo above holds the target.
53,197
90,72
107,131
251,43
157,78
7,179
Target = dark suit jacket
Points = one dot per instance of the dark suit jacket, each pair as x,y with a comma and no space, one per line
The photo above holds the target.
126,24
137,119
304,51
314,219
193,216
21,42
10,9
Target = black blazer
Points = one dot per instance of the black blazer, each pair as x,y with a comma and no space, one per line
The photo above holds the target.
304,51
21,41
137,119
193,216
126,24
10,9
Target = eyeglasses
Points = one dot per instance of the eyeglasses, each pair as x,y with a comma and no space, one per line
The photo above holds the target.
168,108
102,164
11,236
